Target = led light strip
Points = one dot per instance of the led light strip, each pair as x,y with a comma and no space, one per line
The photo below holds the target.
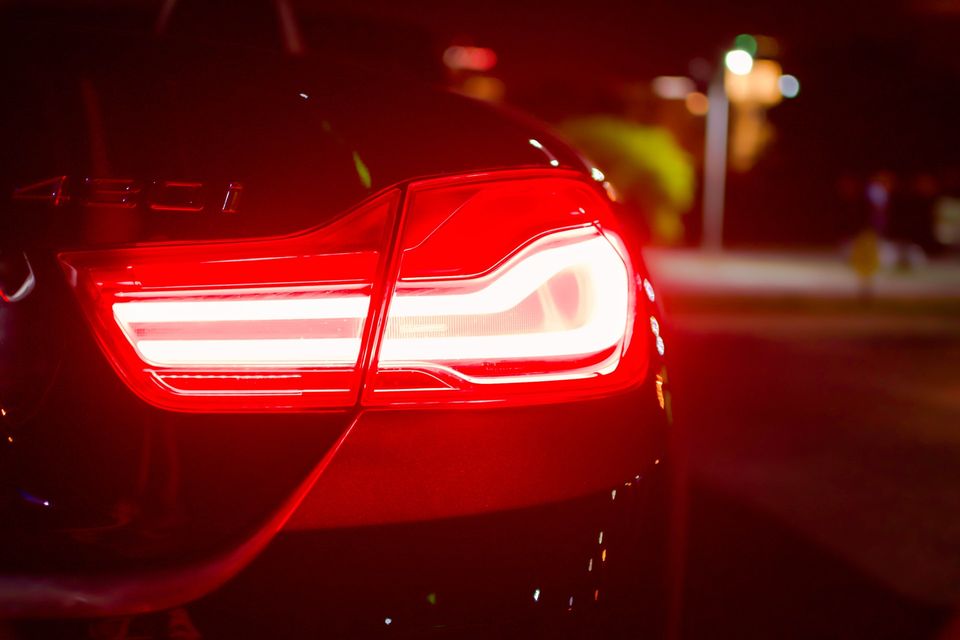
259,313
597,264
594,259
266,352
224,310
514,282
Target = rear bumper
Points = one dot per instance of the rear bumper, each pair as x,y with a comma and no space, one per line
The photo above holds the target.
413,466
386,467
589,567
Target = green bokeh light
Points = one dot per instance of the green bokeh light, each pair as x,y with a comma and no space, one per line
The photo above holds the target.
746,42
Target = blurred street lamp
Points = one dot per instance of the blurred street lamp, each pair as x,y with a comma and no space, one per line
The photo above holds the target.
715,160
738,61
753,86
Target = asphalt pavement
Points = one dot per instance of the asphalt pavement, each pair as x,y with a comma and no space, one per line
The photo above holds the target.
823,445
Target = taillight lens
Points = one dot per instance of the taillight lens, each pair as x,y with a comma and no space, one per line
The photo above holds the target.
261,325
511,287
507,291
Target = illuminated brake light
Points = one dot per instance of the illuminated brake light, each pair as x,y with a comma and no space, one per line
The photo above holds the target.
512,291
255,325
515,313
510,287
254,331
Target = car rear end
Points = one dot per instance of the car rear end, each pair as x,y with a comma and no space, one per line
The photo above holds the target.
381,347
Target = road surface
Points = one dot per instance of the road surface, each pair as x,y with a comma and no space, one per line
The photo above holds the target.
824,451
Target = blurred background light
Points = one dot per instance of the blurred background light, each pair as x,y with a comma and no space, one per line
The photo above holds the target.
460,58
767,47
484,88
746,42
739,62
760,85
697,103
673,87
789,86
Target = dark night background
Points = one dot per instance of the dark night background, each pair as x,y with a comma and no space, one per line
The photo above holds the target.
880,87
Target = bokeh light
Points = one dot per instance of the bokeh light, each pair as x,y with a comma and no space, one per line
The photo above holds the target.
746,42
789,85
697,103
739,62
673,87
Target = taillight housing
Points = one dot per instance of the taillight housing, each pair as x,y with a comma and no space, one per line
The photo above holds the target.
507,287
270,324
514,290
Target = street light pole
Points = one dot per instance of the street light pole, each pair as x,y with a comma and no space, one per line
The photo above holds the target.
715,162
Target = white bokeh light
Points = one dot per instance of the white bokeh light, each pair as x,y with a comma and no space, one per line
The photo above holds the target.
739,62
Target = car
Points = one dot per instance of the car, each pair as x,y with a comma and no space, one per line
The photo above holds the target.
293,346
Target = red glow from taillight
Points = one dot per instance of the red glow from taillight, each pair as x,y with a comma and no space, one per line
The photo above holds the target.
263,325
507,291
511,287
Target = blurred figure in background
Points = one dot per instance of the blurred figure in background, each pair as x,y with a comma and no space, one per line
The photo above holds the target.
877,194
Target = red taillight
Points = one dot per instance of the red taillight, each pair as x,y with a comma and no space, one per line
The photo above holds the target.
263,325
508,287
507,291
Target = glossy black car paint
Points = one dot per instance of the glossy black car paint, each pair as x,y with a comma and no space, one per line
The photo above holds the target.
110,506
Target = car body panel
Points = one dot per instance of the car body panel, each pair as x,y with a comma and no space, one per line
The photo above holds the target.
111,506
